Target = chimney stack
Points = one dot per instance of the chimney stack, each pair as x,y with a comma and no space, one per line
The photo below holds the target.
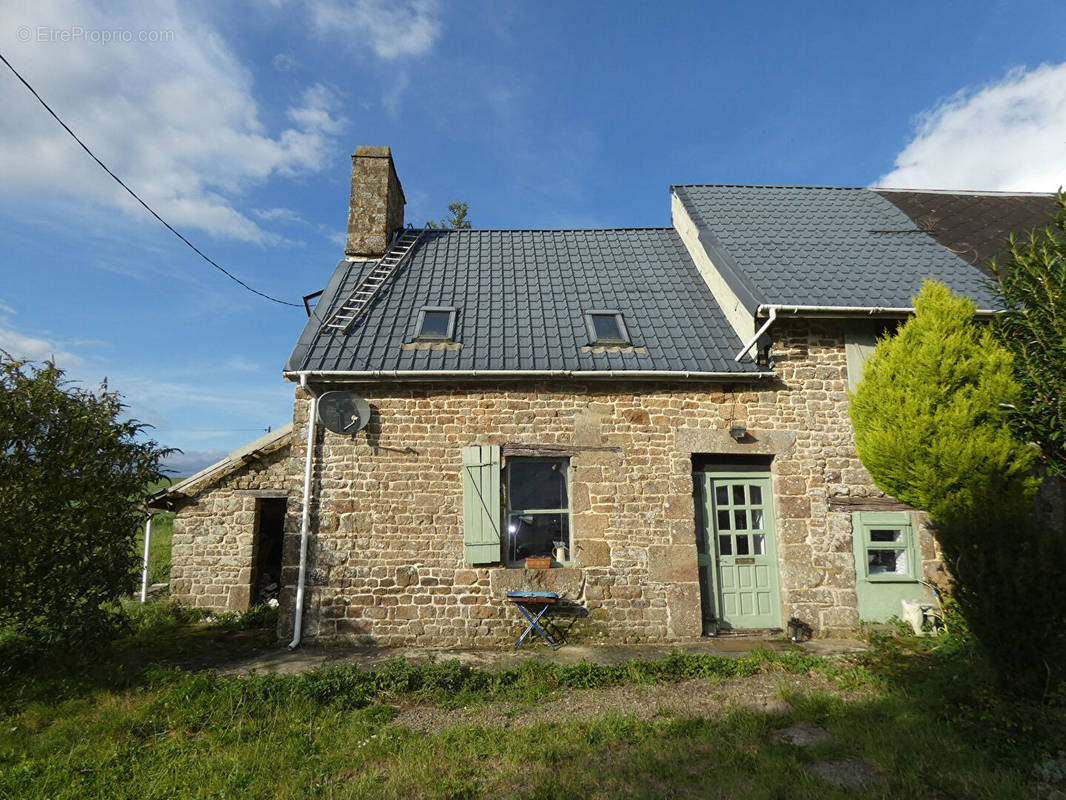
375,210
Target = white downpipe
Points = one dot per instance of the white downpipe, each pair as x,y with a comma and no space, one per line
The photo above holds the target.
751,342
144,565
305,519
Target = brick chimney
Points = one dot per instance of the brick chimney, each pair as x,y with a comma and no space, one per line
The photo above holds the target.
375,210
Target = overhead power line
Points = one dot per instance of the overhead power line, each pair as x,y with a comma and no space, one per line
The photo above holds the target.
136,197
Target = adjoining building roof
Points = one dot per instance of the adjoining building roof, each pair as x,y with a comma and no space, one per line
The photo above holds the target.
521,297
176,495
974,225
822,246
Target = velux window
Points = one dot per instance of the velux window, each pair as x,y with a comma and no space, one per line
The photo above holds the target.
435,323
538,510
606,327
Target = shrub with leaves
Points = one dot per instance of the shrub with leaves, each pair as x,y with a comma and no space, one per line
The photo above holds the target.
72,472
1032,282
929,412
931,427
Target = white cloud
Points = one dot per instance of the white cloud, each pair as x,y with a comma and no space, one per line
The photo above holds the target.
1006,136
284,62
177,119
279,215
394,29
30,348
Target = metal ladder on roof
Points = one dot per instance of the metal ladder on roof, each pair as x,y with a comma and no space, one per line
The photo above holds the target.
352,308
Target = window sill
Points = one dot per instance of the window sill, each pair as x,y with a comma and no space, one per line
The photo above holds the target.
891,579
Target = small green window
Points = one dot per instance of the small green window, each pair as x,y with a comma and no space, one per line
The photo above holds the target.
885,547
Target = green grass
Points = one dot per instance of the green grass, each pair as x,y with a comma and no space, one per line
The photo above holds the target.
133,725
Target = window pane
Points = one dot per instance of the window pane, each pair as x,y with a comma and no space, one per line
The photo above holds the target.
738,495
435,324
755,495
759,540
536,484
886,536
886,562
723,520
721,495
742,545
530,535
741,520
606,327
725,545
756,519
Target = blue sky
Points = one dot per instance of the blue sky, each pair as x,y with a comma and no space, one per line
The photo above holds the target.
236,122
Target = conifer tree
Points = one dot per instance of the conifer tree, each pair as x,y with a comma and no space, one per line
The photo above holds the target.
929,412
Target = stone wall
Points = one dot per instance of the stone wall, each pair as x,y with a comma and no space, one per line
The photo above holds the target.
213,544
387,562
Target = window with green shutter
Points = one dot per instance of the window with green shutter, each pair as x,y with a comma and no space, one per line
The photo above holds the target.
481,504
538,510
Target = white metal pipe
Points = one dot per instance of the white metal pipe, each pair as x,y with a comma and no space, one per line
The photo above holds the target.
144,565
305,518
854,310
751,342
341,376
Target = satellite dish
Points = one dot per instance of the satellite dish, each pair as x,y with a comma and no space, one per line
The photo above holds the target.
343,412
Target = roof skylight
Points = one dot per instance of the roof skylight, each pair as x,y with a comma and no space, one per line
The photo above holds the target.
606,327
435,323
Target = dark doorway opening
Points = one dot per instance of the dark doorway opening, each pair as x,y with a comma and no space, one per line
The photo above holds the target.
266,556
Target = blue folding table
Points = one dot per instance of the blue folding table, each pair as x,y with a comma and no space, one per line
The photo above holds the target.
526,603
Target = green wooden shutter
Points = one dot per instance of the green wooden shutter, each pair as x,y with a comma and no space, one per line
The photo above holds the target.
481,503
859,342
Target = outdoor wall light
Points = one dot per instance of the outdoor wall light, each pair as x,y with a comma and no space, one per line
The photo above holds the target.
738,432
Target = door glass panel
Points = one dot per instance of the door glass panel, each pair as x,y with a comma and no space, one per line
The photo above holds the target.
741,519
742,545
725,545
759,540
886,535
755,493
738,494
723,520
756,519
886,562
721,495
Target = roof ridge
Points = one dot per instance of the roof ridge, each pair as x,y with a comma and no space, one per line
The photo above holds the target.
976,192
550,230
762,186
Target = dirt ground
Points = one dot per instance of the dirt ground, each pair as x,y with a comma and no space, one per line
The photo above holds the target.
696,697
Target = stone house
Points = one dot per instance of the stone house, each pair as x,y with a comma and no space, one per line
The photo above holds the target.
661,413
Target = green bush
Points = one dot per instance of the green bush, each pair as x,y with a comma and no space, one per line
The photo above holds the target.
1032,282
72,473
932,429
929,412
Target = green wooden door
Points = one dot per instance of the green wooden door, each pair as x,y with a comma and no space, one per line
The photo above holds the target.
740,550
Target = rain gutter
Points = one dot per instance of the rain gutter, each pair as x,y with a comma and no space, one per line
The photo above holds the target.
831,311
377,374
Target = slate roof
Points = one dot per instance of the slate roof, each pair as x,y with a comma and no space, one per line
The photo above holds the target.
973,225
521,297
821,246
